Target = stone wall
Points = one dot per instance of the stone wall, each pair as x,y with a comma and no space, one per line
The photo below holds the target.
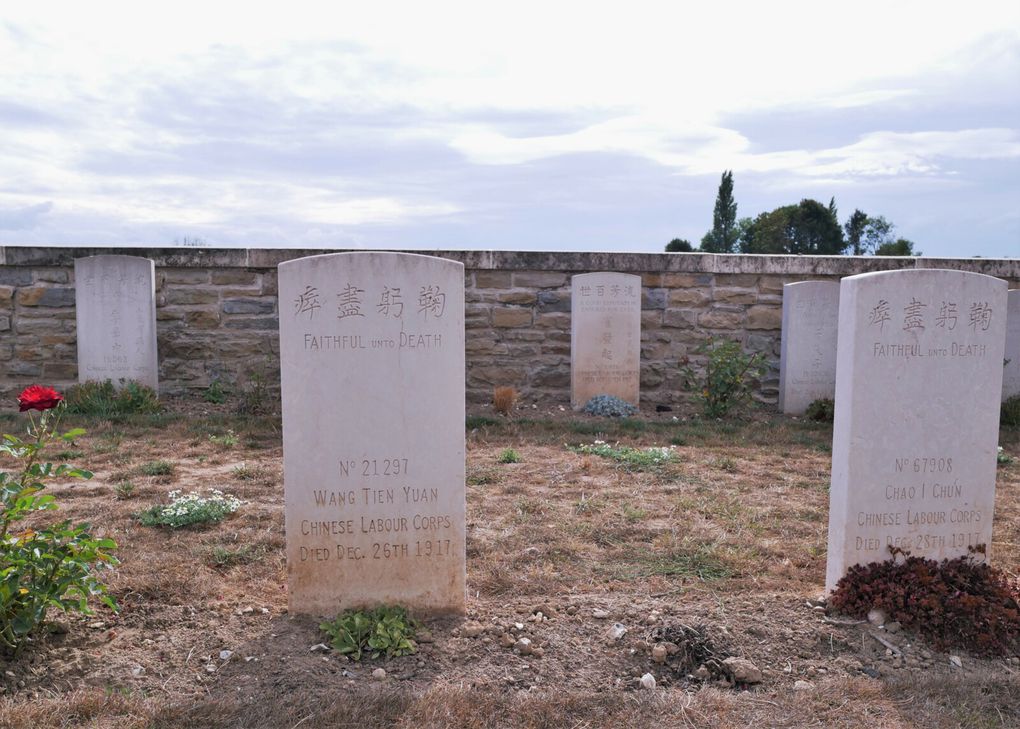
217,312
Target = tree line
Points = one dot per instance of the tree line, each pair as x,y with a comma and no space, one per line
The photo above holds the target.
807,228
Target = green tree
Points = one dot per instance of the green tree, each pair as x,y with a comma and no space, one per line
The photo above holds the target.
877,232
807,228
679,245
854,230
723,236
899,247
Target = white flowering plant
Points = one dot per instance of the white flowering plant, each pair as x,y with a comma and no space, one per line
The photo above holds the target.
190,508
632,458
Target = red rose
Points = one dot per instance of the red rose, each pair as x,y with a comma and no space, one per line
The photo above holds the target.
37,397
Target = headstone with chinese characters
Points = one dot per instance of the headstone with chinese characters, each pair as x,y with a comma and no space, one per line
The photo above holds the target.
807,361
918,379
605,337
115,307
372,377
1011,368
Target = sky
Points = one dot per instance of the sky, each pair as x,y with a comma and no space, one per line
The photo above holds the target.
566,126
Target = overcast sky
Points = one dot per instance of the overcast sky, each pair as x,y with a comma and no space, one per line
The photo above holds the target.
519,125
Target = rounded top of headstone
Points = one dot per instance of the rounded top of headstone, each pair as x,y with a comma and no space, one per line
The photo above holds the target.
921,274
369,256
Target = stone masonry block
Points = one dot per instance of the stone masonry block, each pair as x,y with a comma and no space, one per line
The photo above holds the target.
688,297
765,317
249,306
185,275
718,318
492,279
539,279
549,301
680,318
653,298
10,276
733,295
191,295
517,297
502,317
49,296
236,277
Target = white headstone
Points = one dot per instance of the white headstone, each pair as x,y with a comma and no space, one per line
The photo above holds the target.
115,307
807,361
372,376
605,337
918,378
1011,370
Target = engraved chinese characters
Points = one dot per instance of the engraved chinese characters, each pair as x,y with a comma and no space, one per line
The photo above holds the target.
372,368
918,378
807,362
605,337
115,307
1011,369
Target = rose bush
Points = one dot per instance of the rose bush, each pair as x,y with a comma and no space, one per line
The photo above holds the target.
51,566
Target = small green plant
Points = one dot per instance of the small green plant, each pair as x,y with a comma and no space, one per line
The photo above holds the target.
244,472
190,508
216,393
509,455
725,463
823,410
633,513
43,567
728,376
104,399
245,554
588,505
1002,458
227,440
157,468
1009,414
124,490
385,630
634,459
255,397
482,476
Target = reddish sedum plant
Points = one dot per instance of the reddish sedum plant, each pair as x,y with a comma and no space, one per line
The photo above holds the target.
954,603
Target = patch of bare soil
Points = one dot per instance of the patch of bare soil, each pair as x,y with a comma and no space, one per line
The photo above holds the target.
584,575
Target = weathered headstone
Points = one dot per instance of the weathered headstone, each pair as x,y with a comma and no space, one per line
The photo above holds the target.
115,307
605,337
918,378
372,376
807,361
1011,369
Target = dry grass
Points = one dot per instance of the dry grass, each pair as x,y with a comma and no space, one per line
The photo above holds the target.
730,535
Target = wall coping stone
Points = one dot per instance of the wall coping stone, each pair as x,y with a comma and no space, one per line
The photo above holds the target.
567,261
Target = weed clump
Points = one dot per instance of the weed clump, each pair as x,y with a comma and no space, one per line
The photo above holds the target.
956,603
384,630
822,410
504,399
609,406
103,399
509,455
1009,415
728,377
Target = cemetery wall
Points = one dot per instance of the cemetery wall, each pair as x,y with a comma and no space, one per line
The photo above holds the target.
217,312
